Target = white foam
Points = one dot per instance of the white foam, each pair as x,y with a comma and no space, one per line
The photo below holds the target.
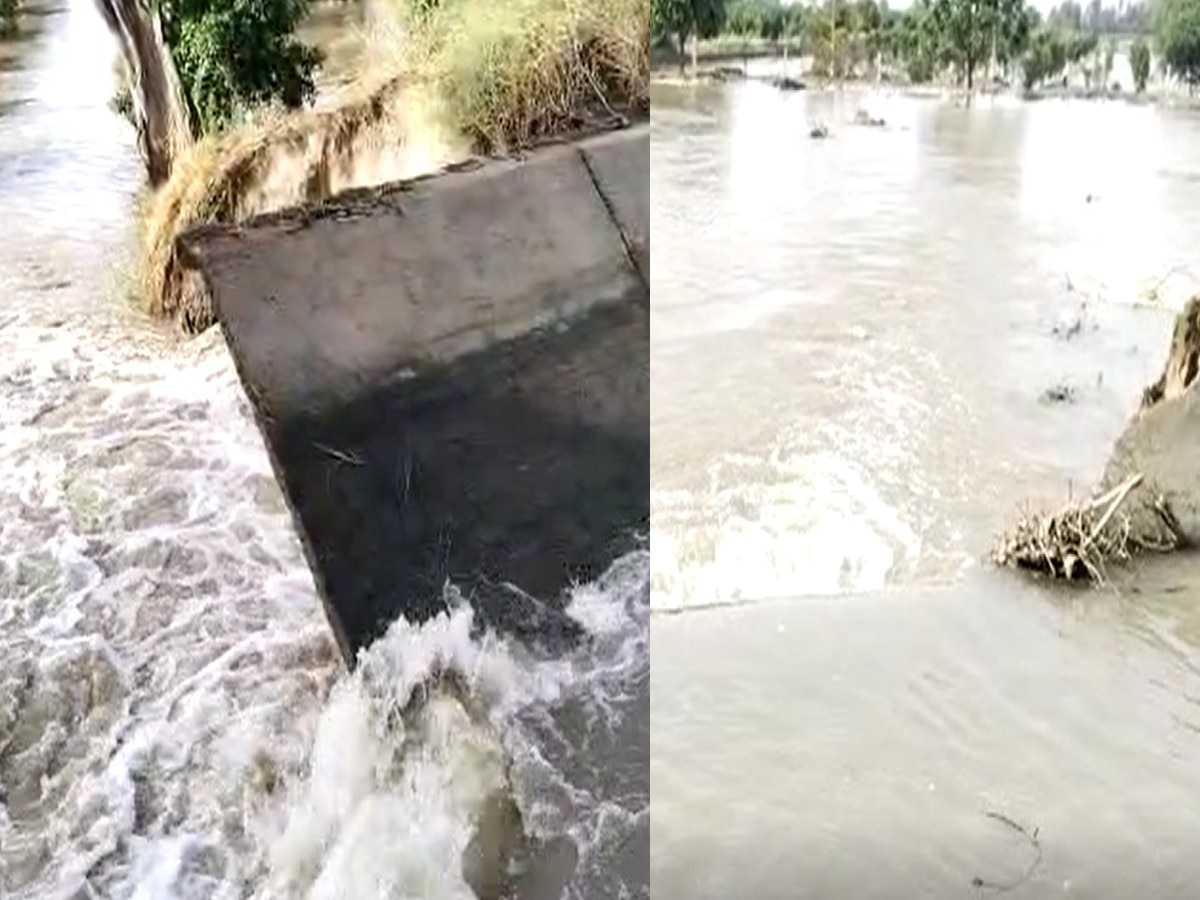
805,525
392,801
176,720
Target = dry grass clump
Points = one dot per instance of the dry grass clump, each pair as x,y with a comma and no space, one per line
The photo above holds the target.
385,132
488,76
513,72
1078,542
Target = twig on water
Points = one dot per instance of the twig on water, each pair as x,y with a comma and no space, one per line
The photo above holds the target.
342,455
1001,887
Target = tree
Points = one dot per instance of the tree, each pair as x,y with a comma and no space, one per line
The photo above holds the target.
1045,57
1178,34
1139,62
235,53
830,28
159,110
919,42
8,17
756,19
1079,45
193,63
795,20
974,30
1109,51
867,41
684,19
742,18
1013,24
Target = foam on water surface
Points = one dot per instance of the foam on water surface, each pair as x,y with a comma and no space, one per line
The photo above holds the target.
174,719
823,506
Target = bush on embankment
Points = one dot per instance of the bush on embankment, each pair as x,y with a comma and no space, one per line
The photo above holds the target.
482,76
514,72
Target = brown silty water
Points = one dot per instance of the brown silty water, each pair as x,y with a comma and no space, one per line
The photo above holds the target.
868,352
174,720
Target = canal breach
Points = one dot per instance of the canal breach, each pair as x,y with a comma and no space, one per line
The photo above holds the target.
1148,498
451,375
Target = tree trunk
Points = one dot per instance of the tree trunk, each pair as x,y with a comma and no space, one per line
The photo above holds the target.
834,68
695,54
159,109
682,54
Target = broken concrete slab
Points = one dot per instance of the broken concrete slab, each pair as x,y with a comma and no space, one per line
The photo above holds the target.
452,378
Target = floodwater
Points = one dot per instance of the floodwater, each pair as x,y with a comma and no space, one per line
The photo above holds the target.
852,339
174,720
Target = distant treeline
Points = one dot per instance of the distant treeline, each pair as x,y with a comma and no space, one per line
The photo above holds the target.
955,40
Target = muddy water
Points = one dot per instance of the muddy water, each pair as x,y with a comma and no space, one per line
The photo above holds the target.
174,721
851,341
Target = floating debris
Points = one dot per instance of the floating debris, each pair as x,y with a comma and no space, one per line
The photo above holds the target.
789,84
726,73
862,117
1068,327
1077,542
1059,393
819,131
1136,513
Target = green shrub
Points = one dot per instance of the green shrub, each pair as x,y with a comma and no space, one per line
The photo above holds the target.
1139,62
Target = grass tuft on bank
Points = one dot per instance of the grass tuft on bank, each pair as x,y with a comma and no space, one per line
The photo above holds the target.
383,130
474,76
513,72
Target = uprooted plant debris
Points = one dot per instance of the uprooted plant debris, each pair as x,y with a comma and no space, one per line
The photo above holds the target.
1153,474
788,84
1059,393
862,117
1078,542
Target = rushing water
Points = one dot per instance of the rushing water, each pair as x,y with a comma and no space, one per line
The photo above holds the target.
852,339
174,720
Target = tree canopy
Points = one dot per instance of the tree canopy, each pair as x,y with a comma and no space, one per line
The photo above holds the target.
237,53
1177,32
683,19
191,65
8,17
769,20
1045,58
933,38
680,20
975,31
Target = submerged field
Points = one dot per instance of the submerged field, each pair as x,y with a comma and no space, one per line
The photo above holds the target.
870,353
